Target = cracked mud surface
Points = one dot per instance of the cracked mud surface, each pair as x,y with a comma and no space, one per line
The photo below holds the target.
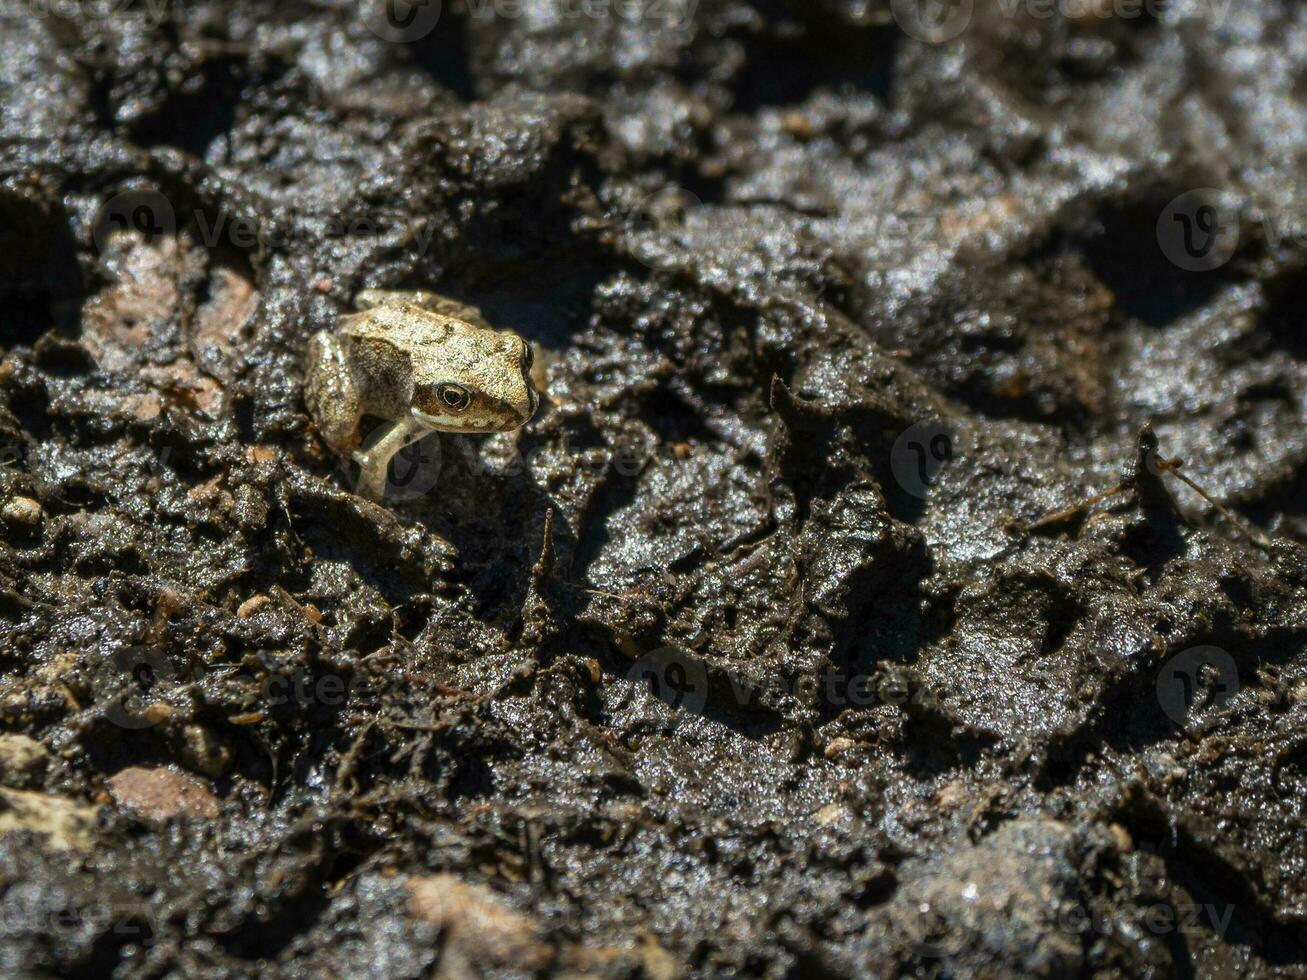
713,667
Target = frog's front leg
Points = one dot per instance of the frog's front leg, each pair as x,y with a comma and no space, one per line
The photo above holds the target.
331,394
374,460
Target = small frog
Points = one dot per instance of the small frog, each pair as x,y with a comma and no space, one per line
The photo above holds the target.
424,363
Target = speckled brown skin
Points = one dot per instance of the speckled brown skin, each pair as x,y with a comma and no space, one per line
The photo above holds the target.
421,361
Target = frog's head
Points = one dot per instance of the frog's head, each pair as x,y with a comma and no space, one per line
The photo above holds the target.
474,380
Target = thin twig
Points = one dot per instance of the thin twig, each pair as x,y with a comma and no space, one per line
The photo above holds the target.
1079,508
1256,537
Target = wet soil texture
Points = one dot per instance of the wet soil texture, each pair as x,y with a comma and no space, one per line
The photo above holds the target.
774,645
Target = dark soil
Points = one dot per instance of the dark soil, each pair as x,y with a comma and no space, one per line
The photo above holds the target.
754,652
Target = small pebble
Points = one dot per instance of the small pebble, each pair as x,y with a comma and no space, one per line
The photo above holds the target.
204,752
838,746
160,794
251,509
832,813
251,605
22,759
65,824
22,510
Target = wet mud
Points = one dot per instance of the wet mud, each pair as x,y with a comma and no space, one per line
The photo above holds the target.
775,644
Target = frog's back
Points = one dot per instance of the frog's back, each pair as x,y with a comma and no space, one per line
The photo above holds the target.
399,324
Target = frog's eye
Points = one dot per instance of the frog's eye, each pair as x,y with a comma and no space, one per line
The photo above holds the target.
528,357
454,397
